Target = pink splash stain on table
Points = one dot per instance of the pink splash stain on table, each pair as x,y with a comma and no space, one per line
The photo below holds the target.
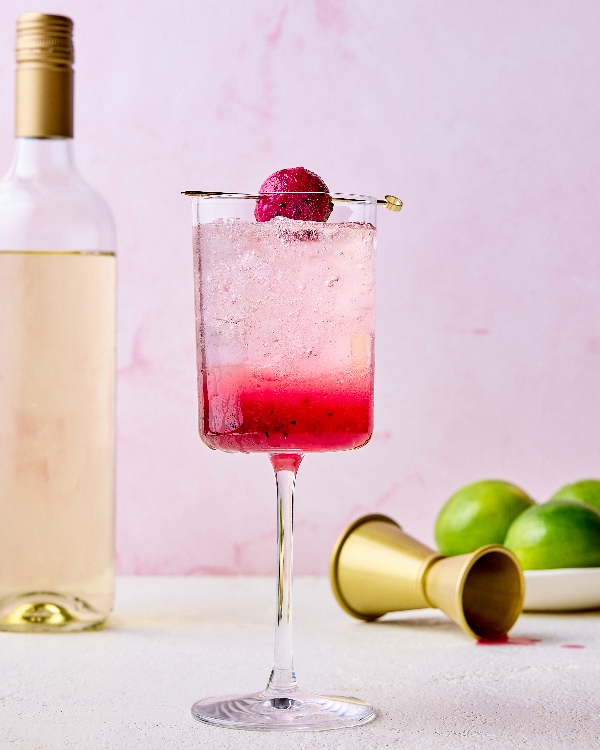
572,645
504,640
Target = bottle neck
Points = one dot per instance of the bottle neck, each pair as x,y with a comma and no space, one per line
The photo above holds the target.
43,157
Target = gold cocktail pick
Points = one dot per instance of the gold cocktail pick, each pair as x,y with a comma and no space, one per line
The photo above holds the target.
376,568
390,202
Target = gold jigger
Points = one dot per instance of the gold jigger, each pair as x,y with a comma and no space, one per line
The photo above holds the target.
377,568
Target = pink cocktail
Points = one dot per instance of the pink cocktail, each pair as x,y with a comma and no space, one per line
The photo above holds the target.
285,316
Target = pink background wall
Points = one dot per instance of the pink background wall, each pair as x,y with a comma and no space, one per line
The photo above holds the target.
483,117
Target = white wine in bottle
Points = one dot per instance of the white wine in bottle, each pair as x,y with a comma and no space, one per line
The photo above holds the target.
57,357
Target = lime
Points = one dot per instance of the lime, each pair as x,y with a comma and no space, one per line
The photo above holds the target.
479,514
557,534
586,490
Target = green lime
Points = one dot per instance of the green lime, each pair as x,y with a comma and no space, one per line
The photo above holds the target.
586,490
557,534
479,514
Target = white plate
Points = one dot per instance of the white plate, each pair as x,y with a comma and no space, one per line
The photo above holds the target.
562,589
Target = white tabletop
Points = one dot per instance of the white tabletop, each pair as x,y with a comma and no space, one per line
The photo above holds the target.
174,640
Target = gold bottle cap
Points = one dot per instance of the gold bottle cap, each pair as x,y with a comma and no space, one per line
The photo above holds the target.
44,52
45,39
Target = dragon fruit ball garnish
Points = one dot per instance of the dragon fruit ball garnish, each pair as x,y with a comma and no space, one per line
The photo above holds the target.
313,202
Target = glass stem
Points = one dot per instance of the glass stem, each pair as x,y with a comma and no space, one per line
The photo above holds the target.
283,678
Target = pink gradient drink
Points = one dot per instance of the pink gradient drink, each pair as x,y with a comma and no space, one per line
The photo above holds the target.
285,334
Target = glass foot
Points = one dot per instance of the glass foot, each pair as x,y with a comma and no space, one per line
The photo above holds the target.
286,712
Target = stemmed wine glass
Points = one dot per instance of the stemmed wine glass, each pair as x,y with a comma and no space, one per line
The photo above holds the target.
285,314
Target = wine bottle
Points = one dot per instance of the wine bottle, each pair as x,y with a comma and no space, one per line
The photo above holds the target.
57,357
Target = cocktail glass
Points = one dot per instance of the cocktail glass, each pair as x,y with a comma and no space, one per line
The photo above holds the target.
285,313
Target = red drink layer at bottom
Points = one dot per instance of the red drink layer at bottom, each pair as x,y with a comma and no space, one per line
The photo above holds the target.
260,415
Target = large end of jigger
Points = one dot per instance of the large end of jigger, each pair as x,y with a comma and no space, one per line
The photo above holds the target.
376,568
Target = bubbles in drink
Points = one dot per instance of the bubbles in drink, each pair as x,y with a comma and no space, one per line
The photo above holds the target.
287,309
